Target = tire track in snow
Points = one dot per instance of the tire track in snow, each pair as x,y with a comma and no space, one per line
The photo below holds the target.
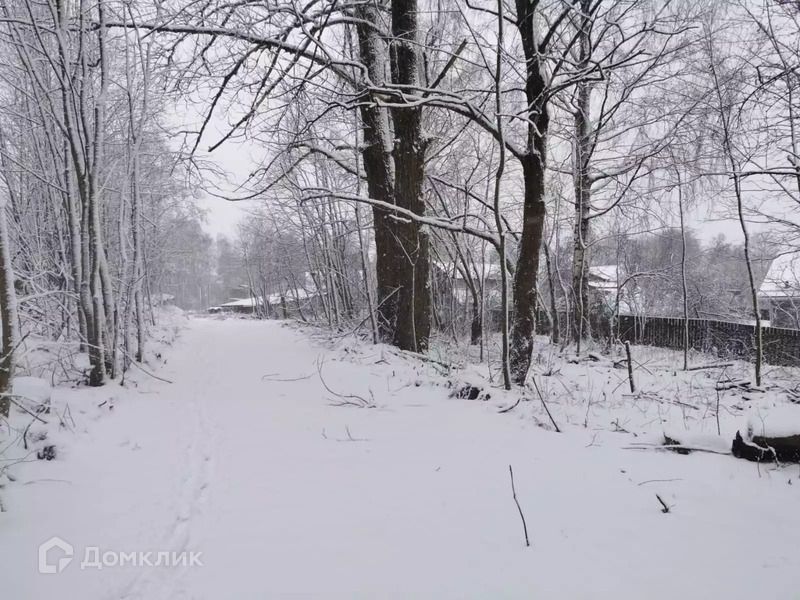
151,582
197,493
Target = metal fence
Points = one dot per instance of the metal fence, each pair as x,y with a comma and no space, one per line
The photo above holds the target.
723,338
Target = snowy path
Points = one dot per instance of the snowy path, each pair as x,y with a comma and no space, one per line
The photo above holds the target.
288,496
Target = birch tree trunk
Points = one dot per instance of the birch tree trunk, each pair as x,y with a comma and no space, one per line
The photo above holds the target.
8,316
501,249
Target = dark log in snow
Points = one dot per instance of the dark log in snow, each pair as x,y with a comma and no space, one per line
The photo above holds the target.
760,448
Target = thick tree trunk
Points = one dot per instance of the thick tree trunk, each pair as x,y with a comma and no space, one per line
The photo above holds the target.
533,216
476,323
394,166
525,278
379,168
414,309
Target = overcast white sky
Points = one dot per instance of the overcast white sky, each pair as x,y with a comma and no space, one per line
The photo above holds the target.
236,158
239,158
222,216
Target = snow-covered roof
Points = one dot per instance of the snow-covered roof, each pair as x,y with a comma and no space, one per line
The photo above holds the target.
783,278
289,295
603,277
246,302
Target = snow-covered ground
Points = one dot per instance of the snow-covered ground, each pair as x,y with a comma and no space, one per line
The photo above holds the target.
289,487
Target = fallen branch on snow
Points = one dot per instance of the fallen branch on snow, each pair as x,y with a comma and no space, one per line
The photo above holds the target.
714,366
665,508
346,399
510,408
655,397
544,404
409,354
274,377
519,508
659,481
742,384
680,448
10,397
135,363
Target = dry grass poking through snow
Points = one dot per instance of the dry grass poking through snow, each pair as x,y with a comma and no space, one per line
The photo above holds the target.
590,394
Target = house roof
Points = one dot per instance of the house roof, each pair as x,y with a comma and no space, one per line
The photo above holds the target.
254,301
291,294
783,278
603,277
245,302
